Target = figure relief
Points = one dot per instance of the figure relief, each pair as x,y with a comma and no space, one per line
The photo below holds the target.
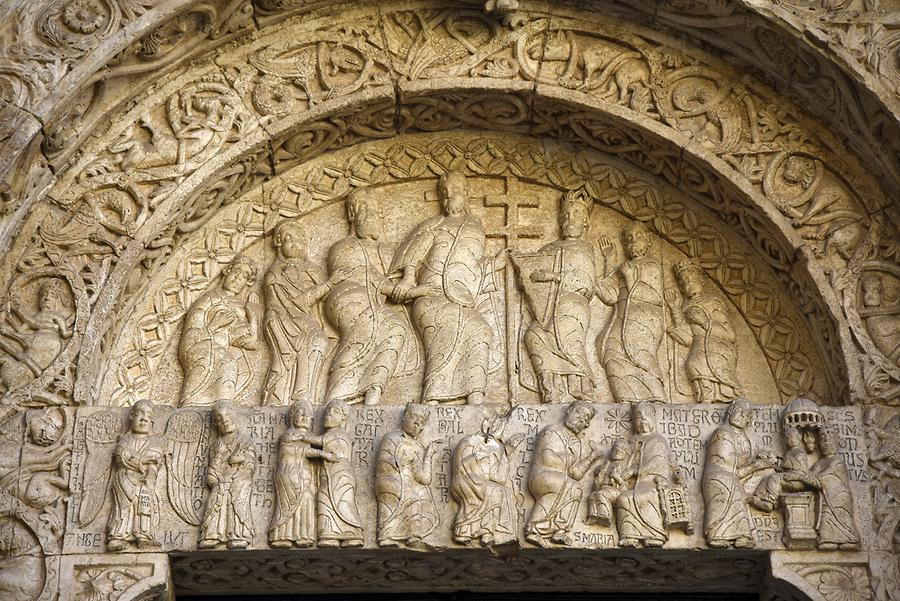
232,466
444,270
39,476
32,339
628,346
337,515
294,519
835,522
558,465
559,282
790,471
407,512
137,460
219,329
700,321
806,193
610,479
640,511
294,285
879,309
483,487
729,463
372,334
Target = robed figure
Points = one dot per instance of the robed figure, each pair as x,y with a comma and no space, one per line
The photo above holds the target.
835,525
559,282
297,343
702,324
557,467
294,519
338,520
483,487
407,512
629,345
219,329
639,512
135,502
232,466
372,334
729,461
444,270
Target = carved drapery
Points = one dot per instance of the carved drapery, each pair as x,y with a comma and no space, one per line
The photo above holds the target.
154,192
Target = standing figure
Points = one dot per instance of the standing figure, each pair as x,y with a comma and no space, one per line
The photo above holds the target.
639,513
218,330
339,523
232,466
835,525
407,513
788,476
557,467
631,341
136,462
444,270
294,519
482,487
372,334
701,323
610,480
297,343
729,461
556,339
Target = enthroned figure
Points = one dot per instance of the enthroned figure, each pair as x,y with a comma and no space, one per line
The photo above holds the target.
556,339
293,287
135,502
372,333
444,270
219,328
628,347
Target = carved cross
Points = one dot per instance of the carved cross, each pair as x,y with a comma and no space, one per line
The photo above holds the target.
515,198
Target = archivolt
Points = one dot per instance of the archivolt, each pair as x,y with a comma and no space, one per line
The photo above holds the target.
203,135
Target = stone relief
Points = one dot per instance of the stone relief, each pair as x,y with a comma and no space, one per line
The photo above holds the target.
120,216
407,512
482,486
137,459
818,505
294,519
729,462
228,518
218,330
558,466
338,519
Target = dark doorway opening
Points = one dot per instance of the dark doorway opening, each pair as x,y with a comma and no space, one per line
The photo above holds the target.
486,596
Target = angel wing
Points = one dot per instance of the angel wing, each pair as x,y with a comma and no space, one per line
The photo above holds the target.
186,432
101,431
